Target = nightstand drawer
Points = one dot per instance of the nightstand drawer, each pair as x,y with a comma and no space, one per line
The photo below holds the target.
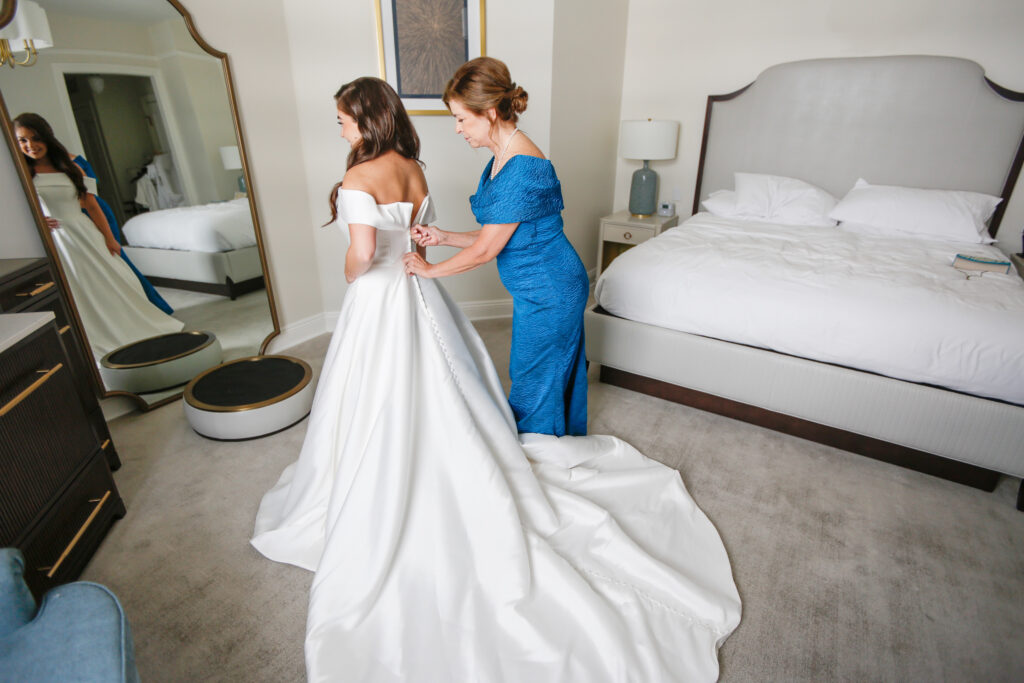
626,233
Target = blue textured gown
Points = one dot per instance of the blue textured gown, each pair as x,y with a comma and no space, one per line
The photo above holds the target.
549,288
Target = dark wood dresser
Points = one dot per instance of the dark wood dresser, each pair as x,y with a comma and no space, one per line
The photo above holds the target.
57,495
28,285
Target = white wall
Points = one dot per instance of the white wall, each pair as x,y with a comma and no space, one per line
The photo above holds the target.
680,51
19,237
586,98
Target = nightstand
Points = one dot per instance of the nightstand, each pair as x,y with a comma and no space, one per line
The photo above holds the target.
620,231
1018,263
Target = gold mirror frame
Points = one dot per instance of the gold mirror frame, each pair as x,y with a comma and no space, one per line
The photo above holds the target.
7,8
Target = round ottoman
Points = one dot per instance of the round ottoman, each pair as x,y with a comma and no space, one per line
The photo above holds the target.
249,397
161,362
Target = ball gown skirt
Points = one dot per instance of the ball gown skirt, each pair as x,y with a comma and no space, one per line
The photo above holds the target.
448,547
109,298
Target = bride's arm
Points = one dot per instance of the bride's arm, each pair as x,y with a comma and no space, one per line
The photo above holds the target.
489,242
363,242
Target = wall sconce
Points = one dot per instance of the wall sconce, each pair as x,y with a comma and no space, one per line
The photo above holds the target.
29,31
646,140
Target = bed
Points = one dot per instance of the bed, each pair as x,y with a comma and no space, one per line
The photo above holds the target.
208,248
905,122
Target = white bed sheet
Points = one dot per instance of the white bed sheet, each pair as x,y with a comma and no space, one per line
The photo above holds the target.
221,226
896,307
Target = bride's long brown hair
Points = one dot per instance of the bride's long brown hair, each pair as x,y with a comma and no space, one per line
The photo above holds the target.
383,124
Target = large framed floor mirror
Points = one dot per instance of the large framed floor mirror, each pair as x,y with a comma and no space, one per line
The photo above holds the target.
152,234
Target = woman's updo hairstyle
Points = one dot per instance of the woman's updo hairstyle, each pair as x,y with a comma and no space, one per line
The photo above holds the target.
483,83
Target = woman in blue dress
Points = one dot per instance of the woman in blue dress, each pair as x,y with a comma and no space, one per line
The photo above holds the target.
518,203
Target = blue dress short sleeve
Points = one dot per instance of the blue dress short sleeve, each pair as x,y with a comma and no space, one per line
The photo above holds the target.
526,189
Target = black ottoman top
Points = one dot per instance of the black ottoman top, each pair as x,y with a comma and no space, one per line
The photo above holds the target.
158,349
248,383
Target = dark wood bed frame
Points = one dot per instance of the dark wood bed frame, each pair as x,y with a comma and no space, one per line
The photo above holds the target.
228,288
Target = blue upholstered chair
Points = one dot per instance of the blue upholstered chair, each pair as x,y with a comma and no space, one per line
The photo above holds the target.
79,633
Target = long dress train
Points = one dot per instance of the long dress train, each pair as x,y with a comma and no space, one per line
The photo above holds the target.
109,299
449,548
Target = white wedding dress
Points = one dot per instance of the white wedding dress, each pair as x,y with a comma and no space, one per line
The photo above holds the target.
446,546
108,296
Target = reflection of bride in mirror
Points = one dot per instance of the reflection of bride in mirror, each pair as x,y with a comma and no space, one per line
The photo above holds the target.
109,297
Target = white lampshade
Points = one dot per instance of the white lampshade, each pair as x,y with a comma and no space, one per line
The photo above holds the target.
29,23
648,140
230,158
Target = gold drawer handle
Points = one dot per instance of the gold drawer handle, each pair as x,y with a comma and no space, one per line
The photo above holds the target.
64,330
40,288
74,541
10,405
627,235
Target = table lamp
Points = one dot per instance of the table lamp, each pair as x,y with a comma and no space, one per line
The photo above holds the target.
647,140
232,161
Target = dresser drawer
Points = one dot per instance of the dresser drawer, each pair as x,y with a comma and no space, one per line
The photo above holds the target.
44,434
626,233
22,292
59,545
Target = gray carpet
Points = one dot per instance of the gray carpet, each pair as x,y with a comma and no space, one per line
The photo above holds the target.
849,569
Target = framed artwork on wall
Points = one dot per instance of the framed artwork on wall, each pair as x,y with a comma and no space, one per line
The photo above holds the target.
421,43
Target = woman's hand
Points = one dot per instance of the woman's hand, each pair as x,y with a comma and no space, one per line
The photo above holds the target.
113,246
52,223
415,265
426,235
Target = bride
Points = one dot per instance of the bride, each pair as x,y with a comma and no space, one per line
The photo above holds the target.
445,546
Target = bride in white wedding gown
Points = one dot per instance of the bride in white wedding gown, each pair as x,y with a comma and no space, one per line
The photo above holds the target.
446,546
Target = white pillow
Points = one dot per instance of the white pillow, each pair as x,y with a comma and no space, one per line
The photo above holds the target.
779,199
721,203
930,214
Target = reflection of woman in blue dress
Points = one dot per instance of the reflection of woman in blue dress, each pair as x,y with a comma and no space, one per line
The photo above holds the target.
518,204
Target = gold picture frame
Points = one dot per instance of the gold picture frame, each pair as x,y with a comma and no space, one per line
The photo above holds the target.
420,44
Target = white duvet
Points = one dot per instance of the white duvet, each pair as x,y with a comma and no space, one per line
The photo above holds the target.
221,226
896,307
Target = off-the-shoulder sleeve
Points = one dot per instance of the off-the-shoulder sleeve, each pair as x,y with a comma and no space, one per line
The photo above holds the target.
525,189
356,206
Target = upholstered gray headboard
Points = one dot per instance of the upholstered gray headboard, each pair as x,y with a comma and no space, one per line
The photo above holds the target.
917,121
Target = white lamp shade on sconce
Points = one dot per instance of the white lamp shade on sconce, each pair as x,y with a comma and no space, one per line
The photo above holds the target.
230,158
29,23
648,140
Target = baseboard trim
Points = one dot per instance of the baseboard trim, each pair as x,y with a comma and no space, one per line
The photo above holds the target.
324,323
301,331
487,310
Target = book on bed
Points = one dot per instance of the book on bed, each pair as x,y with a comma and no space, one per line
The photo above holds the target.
983,263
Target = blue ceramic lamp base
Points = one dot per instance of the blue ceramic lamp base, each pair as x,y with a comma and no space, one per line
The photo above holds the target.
643,193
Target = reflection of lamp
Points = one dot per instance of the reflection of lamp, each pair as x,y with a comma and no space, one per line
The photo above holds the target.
28,31
646,140
232,161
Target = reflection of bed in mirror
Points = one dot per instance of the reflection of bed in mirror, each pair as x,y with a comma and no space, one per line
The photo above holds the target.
208,248
915,122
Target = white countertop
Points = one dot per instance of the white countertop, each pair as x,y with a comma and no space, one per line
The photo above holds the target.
16,326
